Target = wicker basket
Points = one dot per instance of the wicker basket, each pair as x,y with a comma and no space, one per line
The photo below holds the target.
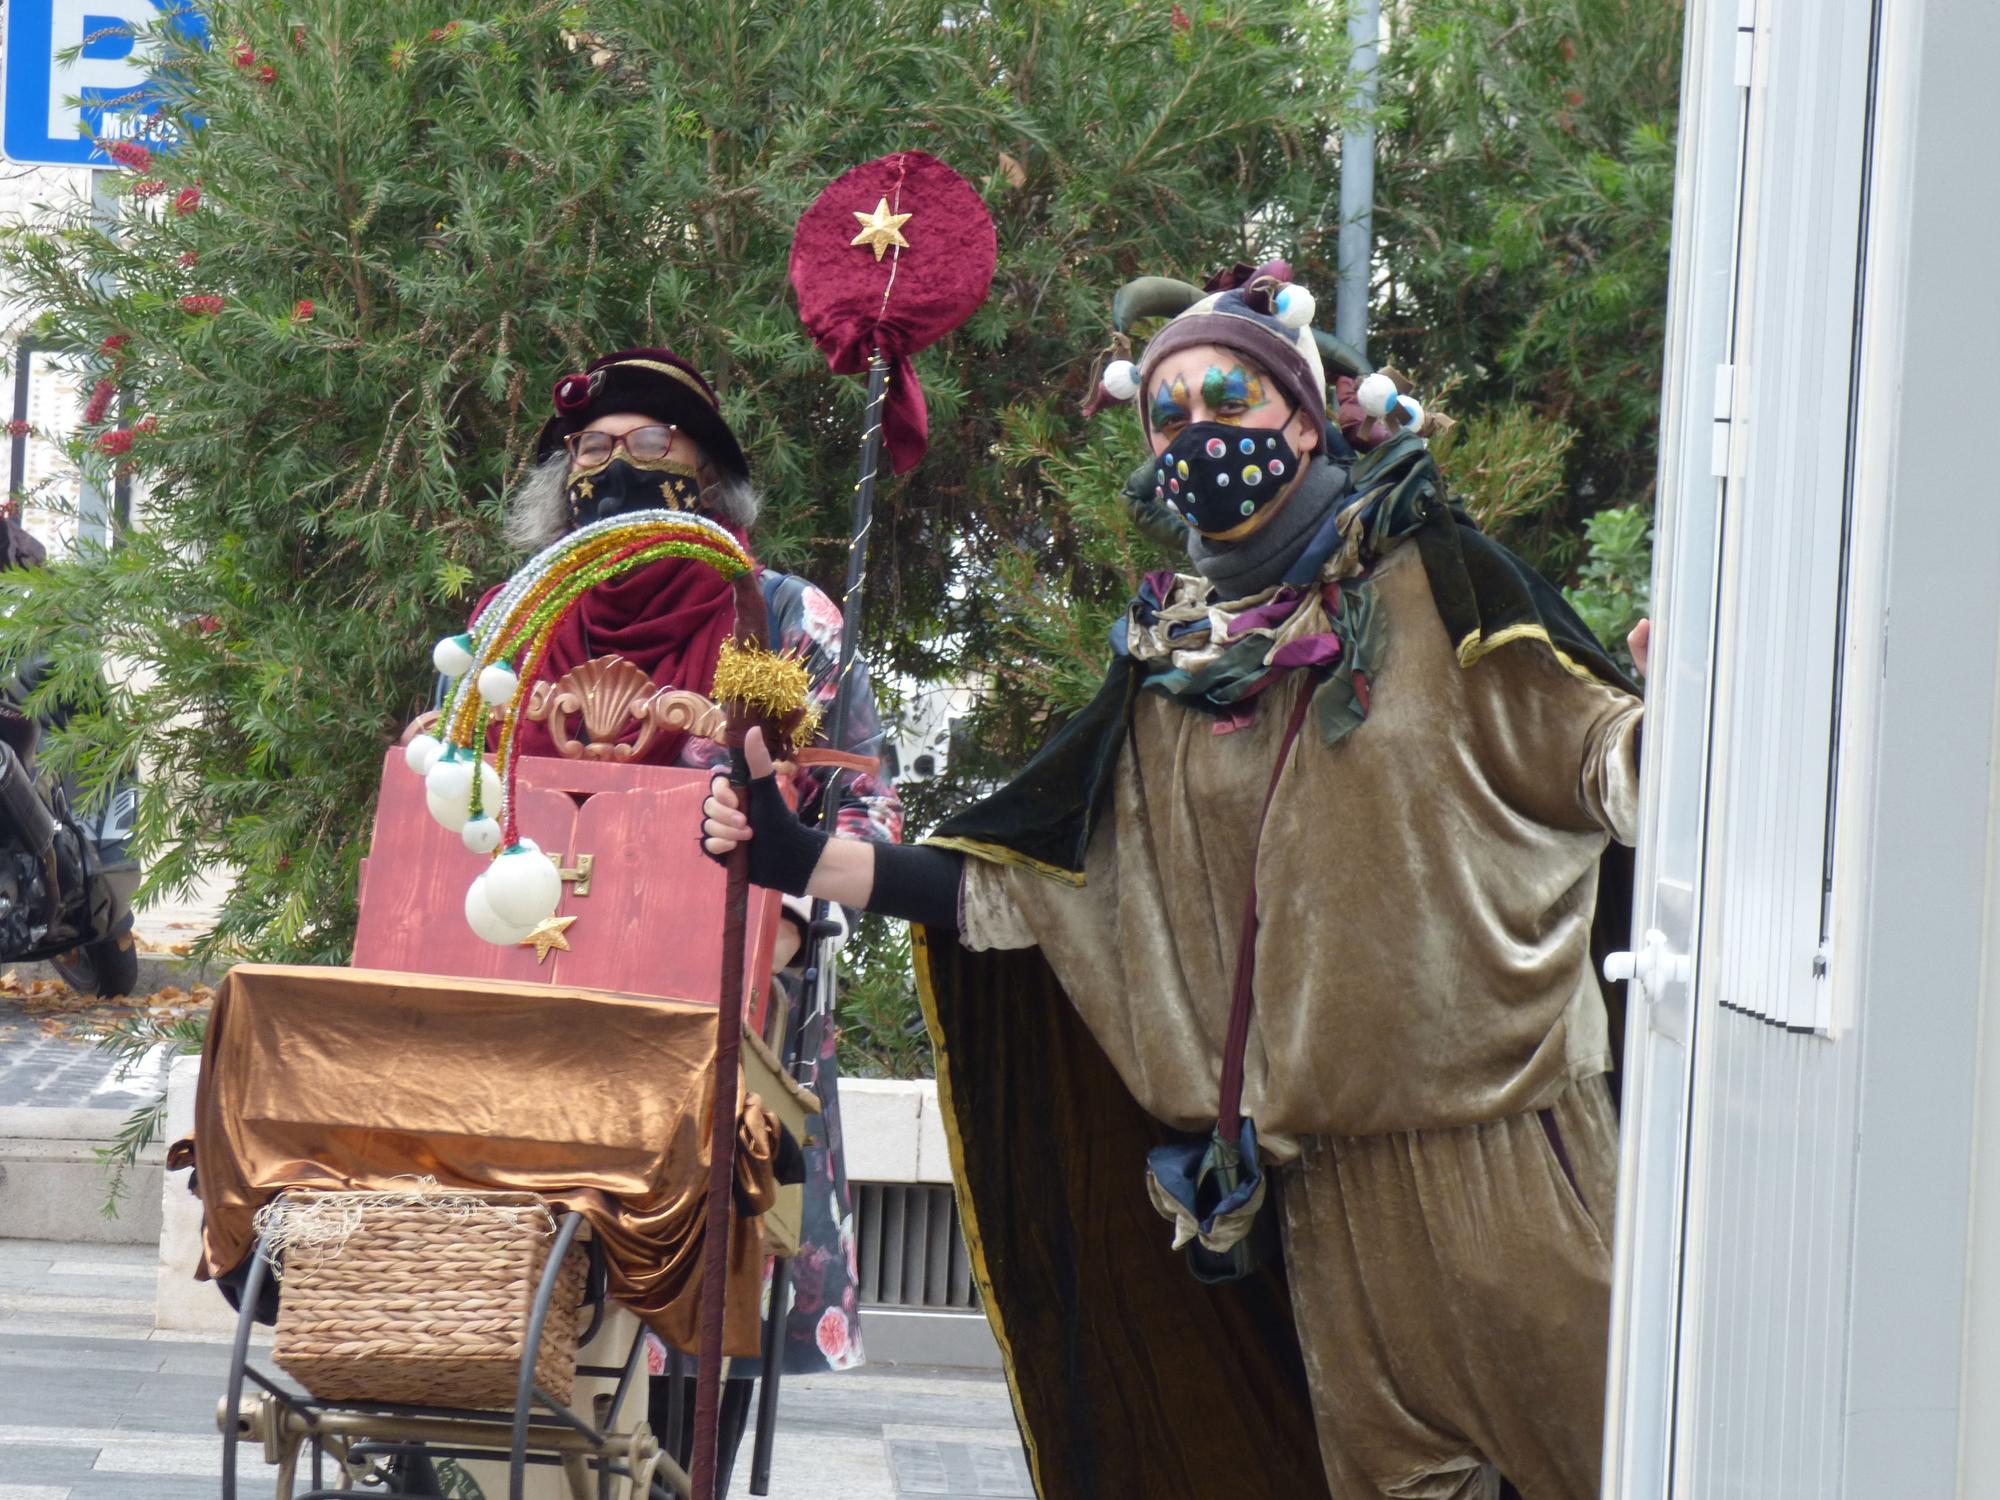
425,1301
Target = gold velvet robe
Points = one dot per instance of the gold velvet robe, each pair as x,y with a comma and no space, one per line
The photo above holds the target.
1426,890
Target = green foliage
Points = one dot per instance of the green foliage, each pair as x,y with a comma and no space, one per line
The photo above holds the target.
1525,190
1614,586
472,209
882,1031
130,1040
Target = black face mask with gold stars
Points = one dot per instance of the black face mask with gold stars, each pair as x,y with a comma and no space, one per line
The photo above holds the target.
621,486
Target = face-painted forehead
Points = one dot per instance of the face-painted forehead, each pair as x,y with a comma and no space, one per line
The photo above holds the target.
1189,369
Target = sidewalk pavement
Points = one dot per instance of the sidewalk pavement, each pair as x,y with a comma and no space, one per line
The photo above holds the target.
96,1405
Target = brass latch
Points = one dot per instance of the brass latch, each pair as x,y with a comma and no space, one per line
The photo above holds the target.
577,876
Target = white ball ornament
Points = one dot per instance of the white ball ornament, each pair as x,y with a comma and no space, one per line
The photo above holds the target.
1376,393
450,778
481,834
422,753
448,789
489,924
1296,307
446,813
522,885
497,684
453,655
1120,380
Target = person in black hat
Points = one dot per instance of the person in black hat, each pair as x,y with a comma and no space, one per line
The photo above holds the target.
642,430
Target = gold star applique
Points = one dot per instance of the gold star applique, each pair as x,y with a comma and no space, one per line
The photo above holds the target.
548,938
586,490
881,229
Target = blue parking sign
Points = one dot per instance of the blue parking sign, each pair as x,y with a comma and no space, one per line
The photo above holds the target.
38,122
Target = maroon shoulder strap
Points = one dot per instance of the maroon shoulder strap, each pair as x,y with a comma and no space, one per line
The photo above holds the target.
1229,1117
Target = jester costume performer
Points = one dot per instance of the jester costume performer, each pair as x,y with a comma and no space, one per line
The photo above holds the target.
1287,935
641,430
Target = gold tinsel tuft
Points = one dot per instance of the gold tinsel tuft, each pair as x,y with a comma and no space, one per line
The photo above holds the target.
807,729
762,681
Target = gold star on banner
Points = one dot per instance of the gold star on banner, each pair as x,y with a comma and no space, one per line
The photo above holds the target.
881,229
548,937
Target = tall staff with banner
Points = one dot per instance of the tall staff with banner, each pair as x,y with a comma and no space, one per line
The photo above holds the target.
892,256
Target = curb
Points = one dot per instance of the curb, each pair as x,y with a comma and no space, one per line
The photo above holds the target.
52,1184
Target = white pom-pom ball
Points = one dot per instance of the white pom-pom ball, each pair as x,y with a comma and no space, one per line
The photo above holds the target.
453,655
1296,307
1121,380
450,778
497,684
422,753
489,924
448,790
481,834
522,885
1411,410
1376,393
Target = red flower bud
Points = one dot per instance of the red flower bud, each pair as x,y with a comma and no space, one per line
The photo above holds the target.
115,442
206,306
114,343
100,402
1573,98
19,429
148,187
302,309
187,200
243,54
148,424
207,624
131,154
267,74
440,33
298,39
1180,19
187,259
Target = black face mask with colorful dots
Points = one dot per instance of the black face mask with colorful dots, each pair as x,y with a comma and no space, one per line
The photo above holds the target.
1217,476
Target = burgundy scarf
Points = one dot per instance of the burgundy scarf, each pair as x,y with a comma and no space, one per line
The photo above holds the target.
668,619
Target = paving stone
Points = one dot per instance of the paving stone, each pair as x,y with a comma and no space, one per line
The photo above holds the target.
104,1409
43,1464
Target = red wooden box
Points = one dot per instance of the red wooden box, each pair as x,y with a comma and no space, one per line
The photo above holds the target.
650,923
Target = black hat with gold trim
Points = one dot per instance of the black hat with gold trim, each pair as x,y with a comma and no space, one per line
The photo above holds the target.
653,383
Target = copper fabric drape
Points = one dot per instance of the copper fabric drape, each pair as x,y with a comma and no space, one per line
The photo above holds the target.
354,1078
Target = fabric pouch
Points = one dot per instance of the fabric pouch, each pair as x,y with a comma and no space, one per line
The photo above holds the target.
1215,1194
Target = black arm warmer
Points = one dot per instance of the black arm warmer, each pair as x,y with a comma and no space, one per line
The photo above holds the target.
918,884
915,884
784,851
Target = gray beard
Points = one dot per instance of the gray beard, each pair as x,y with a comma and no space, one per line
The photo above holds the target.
1260,561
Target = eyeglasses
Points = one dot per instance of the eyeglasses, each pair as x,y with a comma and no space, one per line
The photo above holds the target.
646,444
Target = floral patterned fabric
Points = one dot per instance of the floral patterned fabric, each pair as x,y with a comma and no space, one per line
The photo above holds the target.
823,1326
805,622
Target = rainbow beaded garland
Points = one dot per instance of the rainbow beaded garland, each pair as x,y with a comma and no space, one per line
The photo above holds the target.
493,665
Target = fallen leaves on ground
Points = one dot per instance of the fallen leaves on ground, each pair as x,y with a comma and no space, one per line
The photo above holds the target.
57,1009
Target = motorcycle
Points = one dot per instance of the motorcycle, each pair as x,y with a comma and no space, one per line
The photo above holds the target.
66,881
